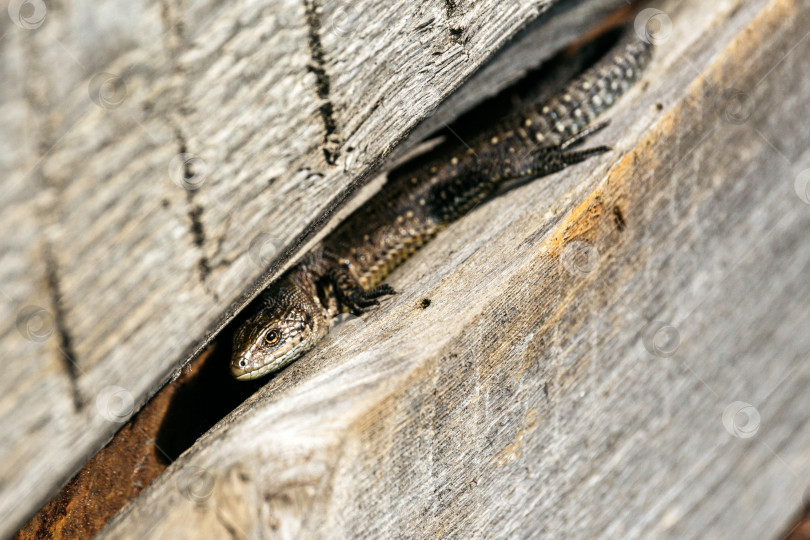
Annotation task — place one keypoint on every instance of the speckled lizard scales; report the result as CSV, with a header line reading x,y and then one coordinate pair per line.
x,y
345,273
413,208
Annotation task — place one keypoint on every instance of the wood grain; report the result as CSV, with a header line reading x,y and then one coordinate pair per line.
x,y
616,351
114,273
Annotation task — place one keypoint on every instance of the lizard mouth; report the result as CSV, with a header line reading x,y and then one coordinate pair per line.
x,y
249,366
240,375
249,373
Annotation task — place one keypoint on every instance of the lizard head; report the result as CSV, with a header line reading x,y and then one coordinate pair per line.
x,y
282,326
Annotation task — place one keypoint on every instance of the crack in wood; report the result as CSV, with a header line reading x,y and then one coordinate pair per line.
x,y
455,31
198,233
195,211
618,218
174,36
68,356
37,77
331,139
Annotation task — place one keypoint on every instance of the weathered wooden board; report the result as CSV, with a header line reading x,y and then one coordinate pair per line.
x,y
617,351
112,111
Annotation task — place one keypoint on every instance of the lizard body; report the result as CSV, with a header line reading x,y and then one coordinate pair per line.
x,y
345,273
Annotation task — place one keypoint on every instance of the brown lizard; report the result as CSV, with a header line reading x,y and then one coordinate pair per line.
x,y
345,273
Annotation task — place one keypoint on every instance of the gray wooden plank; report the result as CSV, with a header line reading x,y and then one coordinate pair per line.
x,y
134,271
588,375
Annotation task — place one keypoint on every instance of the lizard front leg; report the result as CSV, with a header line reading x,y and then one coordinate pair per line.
x,y
350,293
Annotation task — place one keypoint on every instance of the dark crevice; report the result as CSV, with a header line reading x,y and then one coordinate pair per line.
x,y
68,354
450,7
208,395
331,138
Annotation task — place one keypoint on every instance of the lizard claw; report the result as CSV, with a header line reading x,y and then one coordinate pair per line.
x,y
576,139
351,295
575,157
360,299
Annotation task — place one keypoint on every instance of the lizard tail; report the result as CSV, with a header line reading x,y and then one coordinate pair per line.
x,y
576,107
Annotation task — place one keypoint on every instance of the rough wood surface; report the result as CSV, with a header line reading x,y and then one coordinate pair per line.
x,y
142,449
110,112
617,351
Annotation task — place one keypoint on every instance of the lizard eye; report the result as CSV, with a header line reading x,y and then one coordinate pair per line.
x,y
272,337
